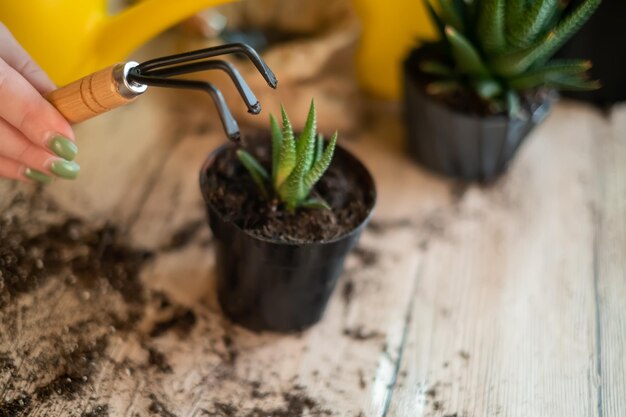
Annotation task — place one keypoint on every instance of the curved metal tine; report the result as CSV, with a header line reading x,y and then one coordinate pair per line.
x,y
232,48
228,121
246,93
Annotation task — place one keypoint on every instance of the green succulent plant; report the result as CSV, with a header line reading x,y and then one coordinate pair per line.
x,y
499,48
297,164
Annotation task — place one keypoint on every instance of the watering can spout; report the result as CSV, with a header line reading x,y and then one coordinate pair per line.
x,y
126,31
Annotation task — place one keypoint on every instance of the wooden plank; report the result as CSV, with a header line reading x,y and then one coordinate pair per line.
x,y
610,271
503,316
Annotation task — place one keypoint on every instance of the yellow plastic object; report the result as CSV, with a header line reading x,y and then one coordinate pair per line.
x,y
73,38
390,29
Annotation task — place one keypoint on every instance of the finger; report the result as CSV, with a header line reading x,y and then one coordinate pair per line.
x,y
15,171
15,146
14,55
26,110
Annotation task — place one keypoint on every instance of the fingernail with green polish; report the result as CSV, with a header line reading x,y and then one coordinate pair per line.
x,y
37,176
65,169
63,147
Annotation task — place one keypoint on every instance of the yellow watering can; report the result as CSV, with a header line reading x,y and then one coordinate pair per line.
x,y
390,29
73,38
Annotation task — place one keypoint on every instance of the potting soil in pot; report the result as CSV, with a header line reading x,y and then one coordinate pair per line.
x,y
236,196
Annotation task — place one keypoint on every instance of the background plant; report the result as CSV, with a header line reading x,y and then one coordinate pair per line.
x,y
498,48
297,165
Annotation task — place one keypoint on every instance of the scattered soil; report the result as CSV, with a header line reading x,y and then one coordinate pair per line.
x,y
182,322
226,410
230,348
70,248
358,333
296,404
158,408
16,406
380,227
347,292
45,257
185,235
75,372
464,355
158,360
367,257
362,383
233,194
97,411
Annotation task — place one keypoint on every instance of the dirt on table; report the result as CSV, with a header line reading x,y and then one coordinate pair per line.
x,y
234,194
71,290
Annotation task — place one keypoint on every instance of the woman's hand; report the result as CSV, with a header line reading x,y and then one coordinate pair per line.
x,y
36,142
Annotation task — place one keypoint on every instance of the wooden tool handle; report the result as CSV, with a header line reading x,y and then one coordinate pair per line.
x,y
95,94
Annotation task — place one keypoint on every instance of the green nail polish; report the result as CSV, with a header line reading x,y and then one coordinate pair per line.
x,y
63,147
65,169
38,176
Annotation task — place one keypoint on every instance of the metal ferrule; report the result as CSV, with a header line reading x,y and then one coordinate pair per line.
x,y
125,87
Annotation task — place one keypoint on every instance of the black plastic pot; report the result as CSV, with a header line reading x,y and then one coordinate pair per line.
x,y
602,40
278,286
461,145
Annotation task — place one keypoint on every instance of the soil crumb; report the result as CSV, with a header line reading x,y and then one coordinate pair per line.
x,y
158,360
185,235
182,322
158,408
367,257
358,333
97,411
379,227
231,349
296,404
235,196
347,292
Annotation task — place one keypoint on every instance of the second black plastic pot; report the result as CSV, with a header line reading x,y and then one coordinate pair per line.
x,y
277,286
461,145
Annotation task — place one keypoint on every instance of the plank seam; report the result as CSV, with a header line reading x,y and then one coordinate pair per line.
x,y
405,331
597,312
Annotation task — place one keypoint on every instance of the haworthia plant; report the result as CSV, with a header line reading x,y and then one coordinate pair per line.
x,y
297,164
499,48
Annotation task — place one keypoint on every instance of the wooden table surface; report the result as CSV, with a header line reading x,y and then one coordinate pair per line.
x,y
462,300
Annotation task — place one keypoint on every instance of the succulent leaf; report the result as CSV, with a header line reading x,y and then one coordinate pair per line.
x,y
515,11
315,203
306,141
322,165
257,171
451,15
287,154
465,55
532,24
435,68
434,17
513,104
572,83
517,62
442,87
491,25
540,76
487,88
277,144
319,148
